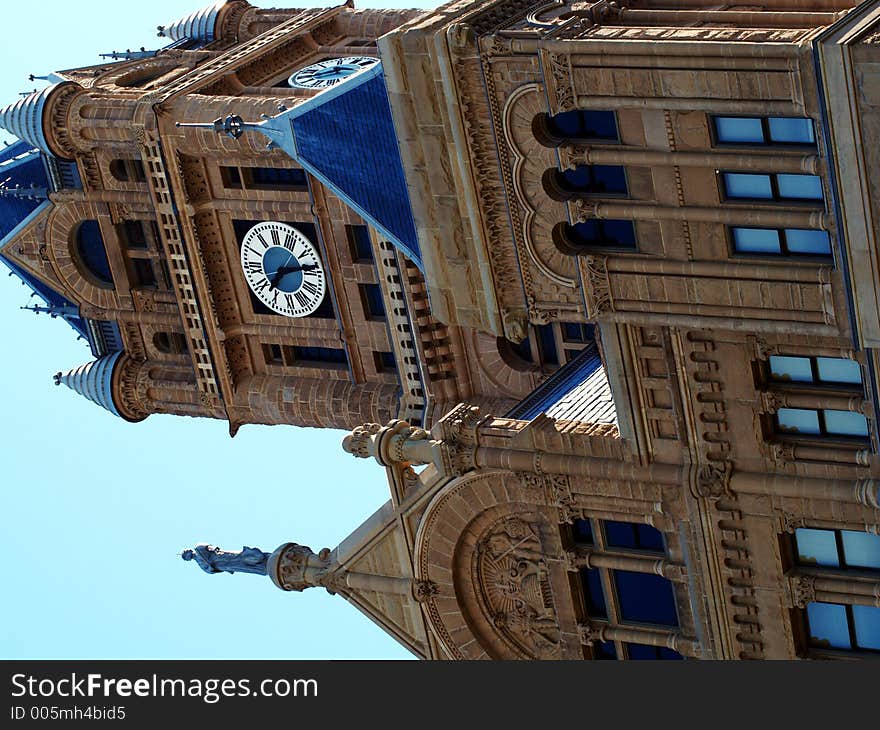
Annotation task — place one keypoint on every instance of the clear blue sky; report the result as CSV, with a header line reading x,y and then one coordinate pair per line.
x,y
94,510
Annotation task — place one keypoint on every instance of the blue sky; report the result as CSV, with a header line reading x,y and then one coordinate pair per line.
x,y
94,510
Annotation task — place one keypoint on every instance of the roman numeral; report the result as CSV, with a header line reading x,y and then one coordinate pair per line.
x,y
275,238
301,298
255,252
260,285
262,240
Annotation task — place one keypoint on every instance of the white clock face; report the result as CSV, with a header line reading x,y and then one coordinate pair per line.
x,y
282,269
331,71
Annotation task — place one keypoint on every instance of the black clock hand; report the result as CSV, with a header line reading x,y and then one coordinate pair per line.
x,y
284,270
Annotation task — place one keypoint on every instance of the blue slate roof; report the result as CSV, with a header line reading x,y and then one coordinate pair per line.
x,y
22,165
579,391
94,381
345,137
199,25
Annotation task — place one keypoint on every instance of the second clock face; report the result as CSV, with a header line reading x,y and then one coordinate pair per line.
x,y
330,71
282,269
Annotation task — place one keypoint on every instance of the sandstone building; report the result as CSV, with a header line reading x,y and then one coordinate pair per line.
x,y
606,270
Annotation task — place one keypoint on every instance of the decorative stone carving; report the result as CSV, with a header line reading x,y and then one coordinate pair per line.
x,y
516,324
560,71
713,480
424,589
295,567
781,453
803,590
514,584
791,522
598,292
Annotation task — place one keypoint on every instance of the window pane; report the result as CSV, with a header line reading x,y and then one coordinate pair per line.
x,y
604,650
791,369
807,242
547,344
828,625
791,131
738,130
618,233
609,179
583,532
650,538
799,187
839,370
741,185
594,596
867,625
798,420
846,423
619,534
861,549
585,124
645,598
756,240
817,547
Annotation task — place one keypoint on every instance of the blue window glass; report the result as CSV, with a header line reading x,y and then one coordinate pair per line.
x,y
791,369
633,536
845,423
583,532
385,362
799,187
359,242
838,370
748,186
817,547
278,177
643,651
645,598
604,233
791,130
594,180
866,620
577,332
757,240
861,549
604,650
320,355
829,625
798,420
374,306
594,596
584,124
547,344
805,242
739,130
91,251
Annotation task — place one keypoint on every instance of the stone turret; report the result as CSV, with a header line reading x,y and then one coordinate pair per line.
x,y
200,25
24,118
96,381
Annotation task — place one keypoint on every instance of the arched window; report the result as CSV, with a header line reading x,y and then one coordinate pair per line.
x,y
91,254
517,355
170,342
578,125
128,169
593,234
584,181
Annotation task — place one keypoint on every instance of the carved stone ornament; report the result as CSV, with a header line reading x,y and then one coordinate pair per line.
x,y
358,441
513,582
516,323
791,522
713,480
803,590
424,589
598,294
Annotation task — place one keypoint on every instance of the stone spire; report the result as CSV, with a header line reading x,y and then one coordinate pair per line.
x,y
24,118
94,381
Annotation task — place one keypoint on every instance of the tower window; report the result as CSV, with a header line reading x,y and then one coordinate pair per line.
x,y
781,241
371,298
359,243
385,362
128,170
585,180
821,423
816,370
837,548
595,233
764,131
321,356
170,342
773,187
837,626
264,178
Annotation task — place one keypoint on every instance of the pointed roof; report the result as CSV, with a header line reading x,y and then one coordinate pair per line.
x,y
200,25
24,118
345,137
94,381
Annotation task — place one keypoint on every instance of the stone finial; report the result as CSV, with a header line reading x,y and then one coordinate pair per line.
x,y
294,567
359,442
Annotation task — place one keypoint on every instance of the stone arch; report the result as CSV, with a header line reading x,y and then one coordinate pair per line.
x,y
485,541
508,376
61,228
530,160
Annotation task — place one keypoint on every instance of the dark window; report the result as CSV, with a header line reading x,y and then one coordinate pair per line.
x,y
781,241
276,178
775,187
128,169
273,354
594,596
359,243
547,344
133,234
604,650
582,532
586,180
577,332
595,233
578,125
143,274
92,254
764,131
170,342
231,177
320,355
371,297
645,598
643,651
385,362
633,536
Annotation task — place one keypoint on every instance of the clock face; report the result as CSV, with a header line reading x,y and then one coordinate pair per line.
x,y
282,269
330,71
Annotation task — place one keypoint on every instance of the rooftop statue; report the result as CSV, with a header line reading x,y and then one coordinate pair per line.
x,y
214,560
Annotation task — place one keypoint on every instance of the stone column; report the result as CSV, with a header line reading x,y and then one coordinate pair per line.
x,y
593,631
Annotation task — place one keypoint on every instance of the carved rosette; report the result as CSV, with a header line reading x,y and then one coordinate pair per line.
x,y
358,442
514,587
424,590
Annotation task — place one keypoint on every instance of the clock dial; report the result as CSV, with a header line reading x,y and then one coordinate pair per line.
x,y
330,71
282,269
